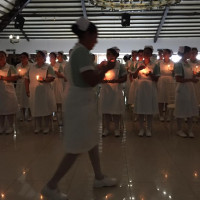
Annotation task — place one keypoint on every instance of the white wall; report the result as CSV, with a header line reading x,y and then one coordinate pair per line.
x,y
125,45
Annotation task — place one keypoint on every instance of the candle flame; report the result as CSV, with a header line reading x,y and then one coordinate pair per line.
x,y
110,75
144,71
37,77
2,195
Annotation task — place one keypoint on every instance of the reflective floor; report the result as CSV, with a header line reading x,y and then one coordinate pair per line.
x,y
162,167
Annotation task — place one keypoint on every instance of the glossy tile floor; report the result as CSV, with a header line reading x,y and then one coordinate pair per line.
x,y
162,167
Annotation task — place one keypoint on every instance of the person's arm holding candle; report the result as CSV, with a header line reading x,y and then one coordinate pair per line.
x,y
12,75
49,77
135,74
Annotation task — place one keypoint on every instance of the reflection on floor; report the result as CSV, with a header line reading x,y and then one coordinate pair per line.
x,y
162,167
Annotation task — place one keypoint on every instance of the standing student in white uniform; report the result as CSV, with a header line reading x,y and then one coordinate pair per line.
x,y
185,99
57,85
23,99
112,103
134,81
130,65
38,87
80,121
195,63
8,98
146,103
166,78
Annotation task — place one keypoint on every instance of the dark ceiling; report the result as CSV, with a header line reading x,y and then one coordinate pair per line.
x,y
52,19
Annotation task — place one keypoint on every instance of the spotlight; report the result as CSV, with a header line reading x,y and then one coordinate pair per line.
x,y
125,19
14,39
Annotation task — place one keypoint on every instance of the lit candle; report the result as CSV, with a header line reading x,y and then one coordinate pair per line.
x,y
19,70
197,68
144,71
2,195
110,75
37,77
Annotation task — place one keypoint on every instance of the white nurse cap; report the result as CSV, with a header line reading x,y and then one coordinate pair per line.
x,y
83,23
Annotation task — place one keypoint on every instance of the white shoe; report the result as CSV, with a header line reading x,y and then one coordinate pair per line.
x,y
105,133
45,131
105,182
191,134
37,130
117,133
162,119
181,133
141,133
53,194
148,133
9,130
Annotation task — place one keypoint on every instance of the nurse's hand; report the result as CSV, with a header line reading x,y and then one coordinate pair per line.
x,y
19,77
102,64
111,64
41,79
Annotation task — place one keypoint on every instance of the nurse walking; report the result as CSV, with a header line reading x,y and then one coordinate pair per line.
x,y
185,99
80,121
8,98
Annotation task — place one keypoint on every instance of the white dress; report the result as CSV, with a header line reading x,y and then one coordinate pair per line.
x,y
58,85
42,99
111,95
185,97
133,84
8,98
164,81
22,97
196,69
146,102
80,104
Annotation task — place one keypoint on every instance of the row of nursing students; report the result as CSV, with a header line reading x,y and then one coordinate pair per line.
x,y
40,90
112,103
8,98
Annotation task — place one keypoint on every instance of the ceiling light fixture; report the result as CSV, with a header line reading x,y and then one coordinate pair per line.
x,y
14,39
131,5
